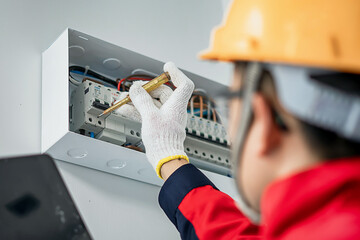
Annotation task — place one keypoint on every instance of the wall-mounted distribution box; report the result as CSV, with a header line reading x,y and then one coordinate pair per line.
x,y
72,132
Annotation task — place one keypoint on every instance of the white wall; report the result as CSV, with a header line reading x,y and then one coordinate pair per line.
x,y
113,207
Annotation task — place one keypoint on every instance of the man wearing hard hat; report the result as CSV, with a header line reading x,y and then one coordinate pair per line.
x,y
294,126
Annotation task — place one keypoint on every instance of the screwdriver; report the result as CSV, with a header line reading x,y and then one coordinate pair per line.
x,y
149,86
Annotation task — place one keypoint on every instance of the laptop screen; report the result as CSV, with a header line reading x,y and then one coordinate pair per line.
x,y
34,201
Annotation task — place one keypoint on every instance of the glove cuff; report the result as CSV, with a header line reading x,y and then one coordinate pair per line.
x,y
167,159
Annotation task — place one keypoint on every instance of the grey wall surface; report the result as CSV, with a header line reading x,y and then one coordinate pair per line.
x,y
113,207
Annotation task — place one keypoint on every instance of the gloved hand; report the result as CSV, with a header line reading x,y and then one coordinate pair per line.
x,y
159,95
163,129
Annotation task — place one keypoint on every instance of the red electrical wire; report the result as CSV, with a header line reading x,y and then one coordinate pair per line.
x,y
119,83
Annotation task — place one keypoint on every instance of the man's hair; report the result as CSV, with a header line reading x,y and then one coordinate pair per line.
x,y
326,144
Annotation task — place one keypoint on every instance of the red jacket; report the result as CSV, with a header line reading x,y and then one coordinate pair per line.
x,y
320,203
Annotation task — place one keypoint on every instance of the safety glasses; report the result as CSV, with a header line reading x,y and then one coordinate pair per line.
x,y
222,104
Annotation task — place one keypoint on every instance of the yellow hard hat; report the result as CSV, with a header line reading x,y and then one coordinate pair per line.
x,y
319,33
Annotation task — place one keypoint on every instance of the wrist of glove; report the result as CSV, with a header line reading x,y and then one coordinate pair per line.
x,y
163,127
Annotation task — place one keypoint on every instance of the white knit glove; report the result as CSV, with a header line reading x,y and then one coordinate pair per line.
x,y
163,129
159,95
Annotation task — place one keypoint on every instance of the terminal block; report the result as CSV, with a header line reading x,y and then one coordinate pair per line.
x,y
206,129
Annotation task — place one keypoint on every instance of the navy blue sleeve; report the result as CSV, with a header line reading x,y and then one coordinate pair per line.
x,y
177,186
199,210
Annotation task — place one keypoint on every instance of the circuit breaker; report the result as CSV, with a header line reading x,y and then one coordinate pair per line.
x,y
206,141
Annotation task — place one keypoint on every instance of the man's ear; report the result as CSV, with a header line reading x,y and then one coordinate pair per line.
x,y
264,126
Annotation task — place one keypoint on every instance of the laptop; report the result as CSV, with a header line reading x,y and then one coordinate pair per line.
x,y
34,201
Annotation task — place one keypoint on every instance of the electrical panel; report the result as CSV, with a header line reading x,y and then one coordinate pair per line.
x,y
83,75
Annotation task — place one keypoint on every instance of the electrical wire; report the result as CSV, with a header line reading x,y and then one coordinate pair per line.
x,y
73,81
121,82
200,100
214,114
134,148
90,73
192,106
208,109
201,106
